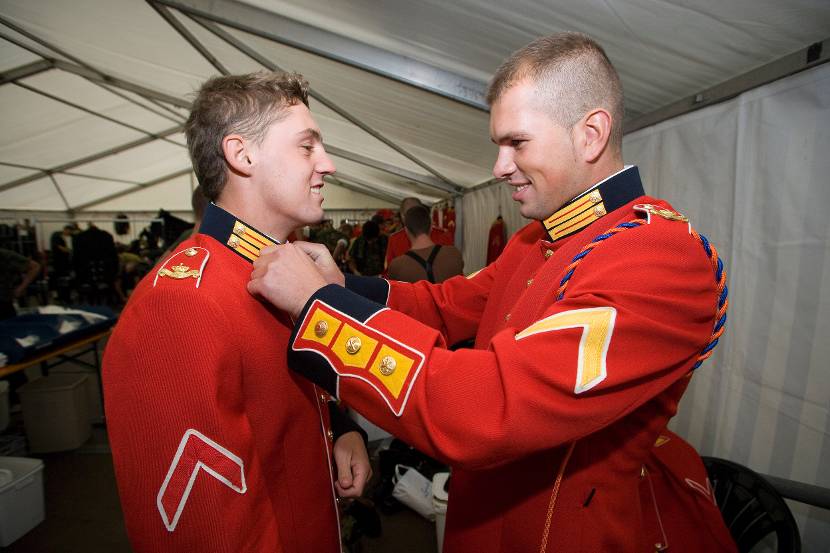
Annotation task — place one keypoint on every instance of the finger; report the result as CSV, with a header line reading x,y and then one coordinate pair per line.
x,y
268,250
347,492
344,469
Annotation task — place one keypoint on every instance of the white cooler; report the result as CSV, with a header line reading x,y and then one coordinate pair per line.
x,y
21,497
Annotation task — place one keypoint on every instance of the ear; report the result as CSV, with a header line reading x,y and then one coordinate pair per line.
x,y
238,154
594,133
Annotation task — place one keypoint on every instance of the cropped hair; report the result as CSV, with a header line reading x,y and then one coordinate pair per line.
x,y
572,74
417,220
236,104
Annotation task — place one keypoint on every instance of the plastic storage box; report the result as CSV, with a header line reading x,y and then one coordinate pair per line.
x,y
21,497
4,404
56,412
95,406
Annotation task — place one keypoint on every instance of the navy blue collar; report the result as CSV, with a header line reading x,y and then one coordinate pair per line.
x,y
593,204
240,237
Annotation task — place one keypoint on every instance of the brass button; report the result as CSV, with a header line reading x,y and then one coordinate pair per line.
x,y
353,345
529,282
548,253
599,211
507,317
238,229
190,252
321,328
324,398
330,434
233,242
387,365
595,197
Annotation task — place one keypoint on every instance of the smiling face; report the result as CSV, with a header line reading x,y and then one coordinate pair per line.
x,y
286,173
537,156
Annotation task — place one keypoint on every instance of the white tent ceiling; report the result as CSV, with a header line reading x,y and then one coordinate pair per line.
x,y
94,91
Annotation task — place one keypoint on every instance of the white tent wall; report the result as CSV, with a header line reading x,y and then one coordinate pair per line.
x,y
751,174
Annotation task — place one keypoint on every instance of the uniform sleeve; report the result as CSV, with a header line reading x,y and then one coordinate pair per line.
x,y
633,321
188,476
453,307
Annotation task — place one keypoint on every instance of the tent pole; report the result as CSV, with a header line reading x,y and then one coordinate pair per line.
x,y
142,186
447,185
60,192
188,36
88,159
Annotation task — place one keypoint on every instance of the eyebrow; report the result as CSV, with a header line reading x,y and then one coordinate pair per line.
x,y
311,133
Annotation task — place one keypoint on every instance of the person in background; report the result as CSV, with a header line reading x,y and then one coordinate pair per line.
x,y
587,330
367,251
399,242
198,202
16,273
61,262
426,260
341,250
195,372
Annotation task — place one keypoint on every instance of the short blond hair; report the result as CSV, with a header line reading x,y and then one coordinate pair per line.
x,y
573,76
245,104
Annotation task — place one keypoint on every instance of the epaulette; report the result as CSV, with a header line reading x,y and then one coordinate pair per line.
x,y
667,214
187,265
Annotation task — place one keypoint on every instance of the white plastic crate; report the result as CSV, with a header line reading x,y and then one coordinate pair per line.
x,y
56,412
21,497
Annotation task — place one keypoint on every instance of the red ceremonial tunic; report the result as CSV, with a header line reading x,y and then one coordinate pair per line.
x,y
217,446
550,422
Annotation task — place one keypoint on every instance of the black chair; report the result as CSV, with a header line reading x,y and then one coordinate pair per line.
x,y
751,507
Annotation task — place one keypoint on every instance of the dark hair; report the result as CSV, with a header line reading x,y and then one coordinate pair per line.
x,y
573,75
370,229
244,104
418,220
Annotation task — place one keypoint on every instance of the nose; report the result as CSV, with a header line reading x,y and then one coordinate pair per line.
x,y
504,166
325,166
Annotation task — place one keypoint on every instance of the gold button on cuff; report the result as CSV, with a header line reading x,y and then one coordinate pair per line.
x,y
548,253
595,197
387,365
599,211
353,345
233,242
239,229
190,252
321,328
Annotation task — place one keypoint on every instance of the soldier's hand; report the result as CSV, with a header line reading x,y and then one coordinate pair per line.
x,y
353,467
286,276
324,261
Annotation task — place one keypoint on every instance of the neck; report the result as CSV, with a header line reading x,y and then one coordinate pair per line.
x,y
421,241
253,212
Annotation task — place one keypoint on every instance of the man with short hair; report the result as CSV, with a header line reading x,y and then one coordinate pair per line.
x,y
216,446
426,260
587,329
399,242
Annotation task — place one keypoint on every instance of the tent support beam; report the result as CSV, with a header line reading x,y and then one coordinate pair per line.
x,y
60,192
88,159
188,36
28,70
447,185
386,168
69,173
353,184
95,114
82,68
320,42
136,188
805,58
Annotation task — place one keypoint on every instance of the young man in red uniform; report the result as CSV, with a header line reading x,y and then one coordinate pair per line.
x,y
586,328
217,445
